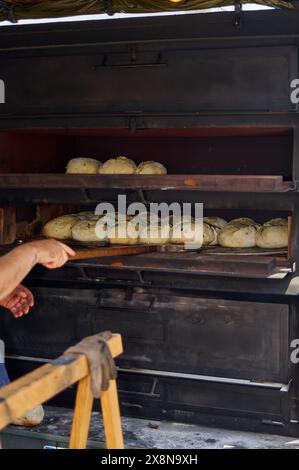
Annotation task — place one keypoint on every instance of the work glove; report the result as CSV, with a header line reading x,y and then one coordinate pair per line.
x,y
101,364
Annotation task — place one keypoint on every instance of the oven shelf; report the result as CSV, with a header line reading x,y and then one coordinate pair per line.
x,y
212,261
47,188
146,182
232,265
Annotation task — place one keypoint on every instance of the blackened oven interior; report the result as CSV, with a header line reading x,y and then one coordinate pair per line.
x,y
240,151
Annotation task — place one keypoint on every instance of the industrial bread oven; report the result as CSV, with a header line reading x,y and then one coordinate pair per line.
x,y
207,335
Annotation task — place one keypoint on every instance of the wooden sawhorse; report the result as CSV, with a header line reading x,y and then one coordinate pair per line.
x,y
37,387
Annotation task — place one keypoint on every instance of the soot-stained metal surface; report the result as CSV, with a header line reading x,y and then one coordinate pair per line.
x,y
139,433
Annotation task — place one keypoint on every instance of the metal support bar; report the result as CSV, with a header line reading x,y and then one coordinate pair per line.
x,y
238,14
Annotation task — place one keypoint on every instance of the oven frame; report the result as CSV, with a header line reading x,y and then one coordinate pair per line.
x,y
274,28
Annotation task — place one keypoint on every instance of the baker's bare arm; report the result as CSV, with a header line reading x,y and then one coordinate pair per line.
x,y
15,265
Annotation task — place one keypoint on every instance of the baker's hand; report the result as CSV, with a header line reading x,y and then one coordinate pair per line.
x,y
19,301
51,253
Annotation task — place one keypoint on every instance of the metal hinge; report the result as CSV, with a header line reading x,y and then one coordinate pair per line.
x,y
238,14
107,4
133,125
136,122
7,11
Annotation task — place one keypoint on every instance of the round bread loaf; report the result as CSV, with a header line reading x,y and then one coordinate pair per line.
x,y
154,234
142,218
88,215
118,166
210,236
151,168
237,236
149,218
179,220
277,221
116,237
216,222
83,166
31,418
272,236
139,221
186,233
110,217
245,221
60,227
85,231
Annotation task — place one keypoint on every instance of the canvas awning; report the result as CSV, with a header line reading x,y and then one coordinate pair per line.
x,y
27,9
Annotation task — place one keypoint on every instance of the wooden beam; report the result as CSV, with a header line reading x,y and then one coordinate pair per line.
x,y
38,386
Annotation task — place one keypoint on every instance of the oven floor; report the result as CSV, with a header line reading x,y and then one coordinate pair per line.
x,y
138,433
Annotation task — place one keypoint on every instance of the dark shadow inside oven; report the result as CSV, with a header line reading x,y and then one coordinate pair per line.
x,y
240,151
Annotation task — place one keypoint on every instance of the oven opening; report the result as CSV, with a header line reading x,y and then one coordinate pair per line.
x,y
206,151
219,167
26,223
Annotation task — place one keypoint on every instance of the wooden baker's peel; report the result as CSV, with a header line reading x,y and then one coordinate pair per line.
x,y
106,251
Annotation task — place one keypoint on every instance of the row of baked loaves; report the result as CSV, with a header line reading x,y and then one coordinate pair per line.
x,y
238,233
114,166
246,233
82,227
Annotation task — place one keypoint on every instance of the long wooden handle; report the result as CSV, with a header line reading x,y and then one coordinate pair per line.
x,y
101,252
